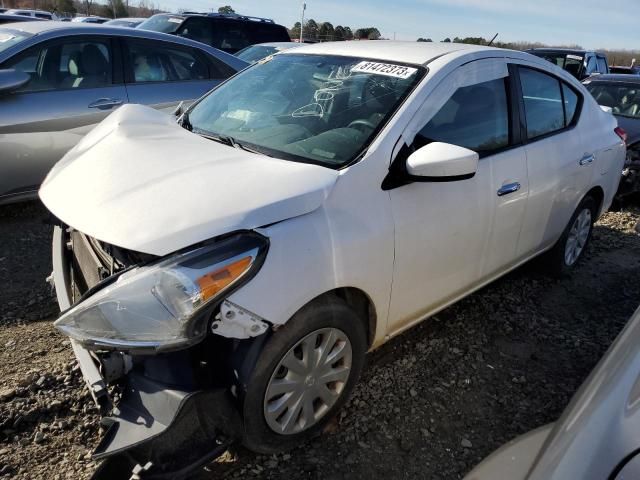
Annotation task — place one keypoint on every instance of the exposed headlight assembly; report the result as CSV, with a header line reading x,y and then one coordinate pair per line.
x,y
165,305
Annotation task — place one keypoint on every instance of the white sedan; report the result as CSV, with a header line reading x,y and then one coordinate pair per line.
x,y
306,211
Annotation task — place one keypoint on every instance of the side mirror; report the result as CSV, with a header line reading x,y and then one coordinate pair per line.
x,y
11,80
442,162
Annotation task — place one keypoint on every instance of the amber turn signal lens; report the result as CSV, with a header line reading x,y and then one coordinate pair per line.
x,y
213,282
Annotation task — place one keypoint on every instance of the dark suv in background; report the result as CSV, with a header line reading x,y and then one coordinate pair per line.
x,y
579,63
228,32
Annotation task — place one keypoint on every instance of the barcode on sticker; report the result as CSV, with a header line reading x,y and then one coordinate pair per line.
x,y
388,69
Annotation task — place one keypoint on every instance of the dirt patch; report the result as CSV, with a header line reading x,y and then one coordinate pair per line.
x,y
431,403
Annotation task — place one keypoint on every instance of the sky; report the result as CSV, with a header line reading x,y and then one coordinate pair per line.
x,y
612,24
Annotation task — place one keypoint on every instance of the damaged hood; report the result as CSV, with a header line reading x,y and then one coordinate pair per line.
x,y
142,182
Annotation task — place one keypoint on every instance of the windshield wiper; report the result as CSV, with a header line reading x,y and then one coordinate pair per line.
x,y
231,142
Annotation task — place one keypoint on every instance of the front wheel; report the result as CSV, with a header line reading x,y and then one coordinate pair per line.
x,y
575,238
303,376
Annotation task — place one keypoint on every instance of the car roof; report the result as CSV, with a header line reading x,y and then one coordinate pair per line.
x,y
55,29
562,50
276,44
128,19
614,77
20,18
416,53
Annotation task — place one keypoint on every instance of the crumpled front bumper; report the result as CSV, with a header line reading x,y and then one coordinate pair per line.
x,y
156,430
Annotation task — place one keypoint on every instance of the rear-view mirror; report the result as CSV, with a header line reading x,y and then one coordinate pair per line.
x,y
439,161
11,80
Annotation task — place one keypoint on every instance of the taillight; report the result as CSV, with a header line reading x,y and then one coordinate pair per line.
x,y
621,133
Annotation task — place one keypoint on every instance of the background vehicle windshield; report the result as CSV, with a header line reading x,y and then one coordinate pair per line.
x,y
162,23
9,38
310,108
623,99
255,52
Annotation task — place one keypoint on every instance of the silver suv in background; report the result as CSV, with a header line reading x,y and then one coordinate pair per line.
x,y
57,80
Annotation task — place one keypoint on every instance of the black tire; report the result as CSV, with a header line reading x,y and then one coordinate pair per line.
x,y
555,259
326,313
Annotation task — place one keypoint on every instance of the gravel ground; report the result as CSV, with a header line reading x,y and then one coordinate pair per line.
x,y
431,403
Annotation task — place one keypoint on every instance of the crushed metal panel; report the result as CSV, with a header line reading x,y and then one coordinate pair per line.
x,y
233,321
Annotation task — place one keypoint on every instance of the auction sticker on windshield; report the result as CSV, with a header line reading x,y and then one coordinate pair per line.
x,y
388,69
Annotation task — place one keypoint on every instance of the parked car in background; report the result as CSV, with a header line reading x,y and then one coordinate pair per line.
x,y
164,22
17,18
253,53
621,93
90,19
130,22
251,247
60,79
628,70
597,435
579,63
227,32
41,14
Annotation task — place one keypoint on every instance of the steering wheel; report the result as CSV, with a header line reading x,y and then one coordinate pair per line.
x,y
362,123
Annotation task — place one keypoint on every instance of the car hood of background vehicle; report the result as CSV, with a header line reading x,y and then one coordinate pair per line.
x,y
142,182
632,127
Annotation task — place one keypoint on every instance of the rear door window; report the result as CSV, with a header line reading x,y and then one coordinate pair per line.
x,y
151,61
232,36
268,32
570,104
198,29
542,102
550,104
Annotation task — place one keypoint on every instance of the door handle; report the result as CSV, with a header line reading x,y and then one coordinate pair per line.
x,y
508,188
105,103
587,159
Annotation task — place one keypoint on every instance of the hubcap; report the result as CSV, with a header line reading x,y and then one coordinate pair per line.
x,y
578,236
308,381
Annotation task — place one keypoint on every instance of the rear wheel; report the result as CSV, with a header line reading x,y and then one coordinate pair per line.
x,y
575,238
304,375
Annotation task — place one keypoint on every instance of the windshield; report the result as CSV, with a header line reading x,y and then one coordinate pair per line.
x,y
9,38
624,99
309,108
255,52
162,23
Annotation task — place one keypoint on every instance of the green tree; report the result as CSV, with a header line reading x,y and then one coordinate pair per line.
x,y
371,33
66,6
119,9
294,33
348,34
103,11
325,32
226,9
310,30
447,40
339,33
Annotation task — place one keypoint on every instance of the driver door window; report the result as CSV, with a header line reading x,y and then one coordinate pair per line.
x,y
475,117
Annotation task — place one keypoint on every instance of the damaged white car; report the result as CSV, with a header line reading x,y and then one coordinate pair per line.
x,y
230,268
